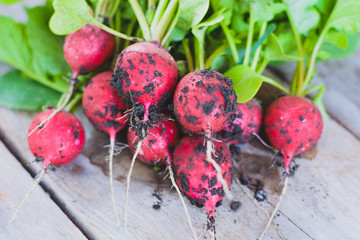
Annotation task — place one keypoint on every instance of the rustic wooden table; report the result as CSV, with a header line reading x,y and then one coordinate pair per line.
x,y
73,202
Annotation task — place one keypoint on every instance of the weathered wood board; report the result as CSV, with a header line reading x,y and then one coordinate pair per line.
x,y
40,217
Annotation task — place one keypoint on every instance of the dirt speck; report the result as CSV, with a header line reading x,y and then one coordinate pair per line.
x,y
235,205
76,169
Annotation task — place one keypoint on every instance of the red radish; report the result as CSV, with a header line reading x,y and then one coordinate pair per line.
x,y
247,121
88,49
58,144
204,101
145,76
105,110
198,178
155,149
85,50
293,125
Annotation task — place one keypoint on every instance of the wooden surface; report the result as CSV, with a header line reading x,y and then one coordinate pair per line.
x,y
40,218
321,203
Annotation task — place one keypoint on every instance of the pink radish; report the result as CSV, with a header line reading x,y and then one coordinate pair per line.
x,y
58,144
105,110
198,178
247,122
293,125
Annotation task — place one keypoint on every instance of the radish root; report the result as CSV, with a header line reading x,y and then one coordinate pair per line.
x,y
37,180
260,207
128,185
181,198
286,180
209,150
111,160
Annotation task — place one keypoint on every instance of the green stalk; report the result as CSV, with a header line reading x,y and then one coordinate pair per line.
x,y
300,71
76,99
262,66
249,36
215,53
129,31
311,64
171,28
141,19
99,8
258,50
165,20
230,41
114,8
116,33
275,84
188,55
158,13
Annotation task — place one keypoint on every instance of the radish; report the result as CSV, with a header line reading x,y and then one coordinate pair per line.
x,y
293,125
198,178
58,144
105,110
85,50
204,101
247,122
145,76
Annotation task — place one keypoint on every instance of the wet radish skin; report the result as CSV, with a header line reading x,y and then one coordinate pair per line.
x,y
204,101
103,106
248,119
293,125
60,141
196,177
160,140
88,48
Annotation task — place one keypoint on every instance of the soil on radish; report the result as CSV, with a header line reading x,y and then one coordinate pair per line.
x,y
235,205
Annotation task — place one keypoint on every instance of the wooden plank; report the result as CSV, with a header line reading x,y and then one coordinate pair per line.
x,y
82,188
40,217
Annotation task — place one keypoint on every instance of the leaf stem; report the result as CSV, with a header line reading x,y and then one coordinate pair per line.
x,y
231,42
165,20
141,19
189,59
171,28
215,53
250,35
299,77
116,33
311,64
258,50
275,84
262,66
158,13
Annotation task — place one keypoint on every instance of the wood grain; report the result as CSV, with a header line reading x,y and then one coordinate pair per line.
x,y
40,217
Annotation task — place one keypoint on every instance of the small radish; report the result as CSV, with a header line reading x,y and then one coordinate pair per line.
x,y
58,144
105,110
156,149
247,121
85,50
198,178
88,49
293,125
145,77
204,101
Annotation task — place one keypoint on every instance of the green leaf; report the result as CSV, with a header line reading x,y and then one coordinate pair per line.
x,y
338,45
265,10
70,16
19,92
275,52
10,1
246,82
345,16
304,14
227,6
